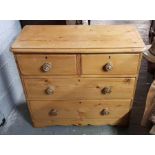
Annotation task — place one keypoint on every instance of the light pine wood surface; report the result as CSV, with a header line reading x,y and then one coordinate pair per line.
x,y
78,37
74,86
79,88
81,110
60,64
93,64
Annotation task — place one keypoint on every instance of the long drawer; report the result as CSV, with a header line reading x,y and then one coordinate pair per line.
x,y
81,111
79,88
44,64
110,64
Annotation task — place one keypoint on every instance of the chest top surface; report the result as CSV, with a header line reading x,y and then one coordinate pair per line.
x,y
78,39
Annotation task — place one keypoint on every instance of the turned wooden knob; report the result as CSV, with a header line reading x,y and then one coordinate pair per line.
x,y
105,112
106,90
108,67
49,90
46,67
53,112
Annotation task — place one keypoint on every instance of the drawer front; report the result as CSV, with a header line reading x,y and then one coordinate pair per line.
x,y
81,122
110,64
47,64
79,88
54,111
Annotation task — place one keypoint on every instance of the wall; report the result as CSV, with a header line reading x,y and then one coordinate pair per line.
x,y
143,26
10,85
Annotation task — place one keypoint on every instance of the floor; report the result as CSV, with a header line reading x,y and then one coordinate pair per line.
x,y
19,122
144,82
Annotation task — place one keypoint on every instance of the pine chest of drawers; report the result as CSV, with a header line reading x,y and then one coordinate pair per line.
x,y
79,75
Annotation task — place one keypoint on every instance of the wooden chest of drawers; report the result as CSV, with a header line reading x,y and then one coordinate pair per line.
x,y
79,75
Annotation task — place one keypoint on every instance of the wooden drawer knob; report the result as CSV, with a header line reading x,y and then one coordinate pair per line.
x,y
49,90
108,67
105,112
106,90
46,67
53,112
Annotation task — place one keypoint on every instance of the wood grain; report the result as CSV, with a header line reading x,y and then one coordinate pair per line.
x,y
77,55
77,37
76,122
61,64
122,64
81,111
78,50
79,88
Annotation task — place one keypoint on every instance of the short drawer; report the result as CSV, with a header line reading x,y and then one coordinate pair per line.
x,y
110,64
79,88
37,64
79,111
